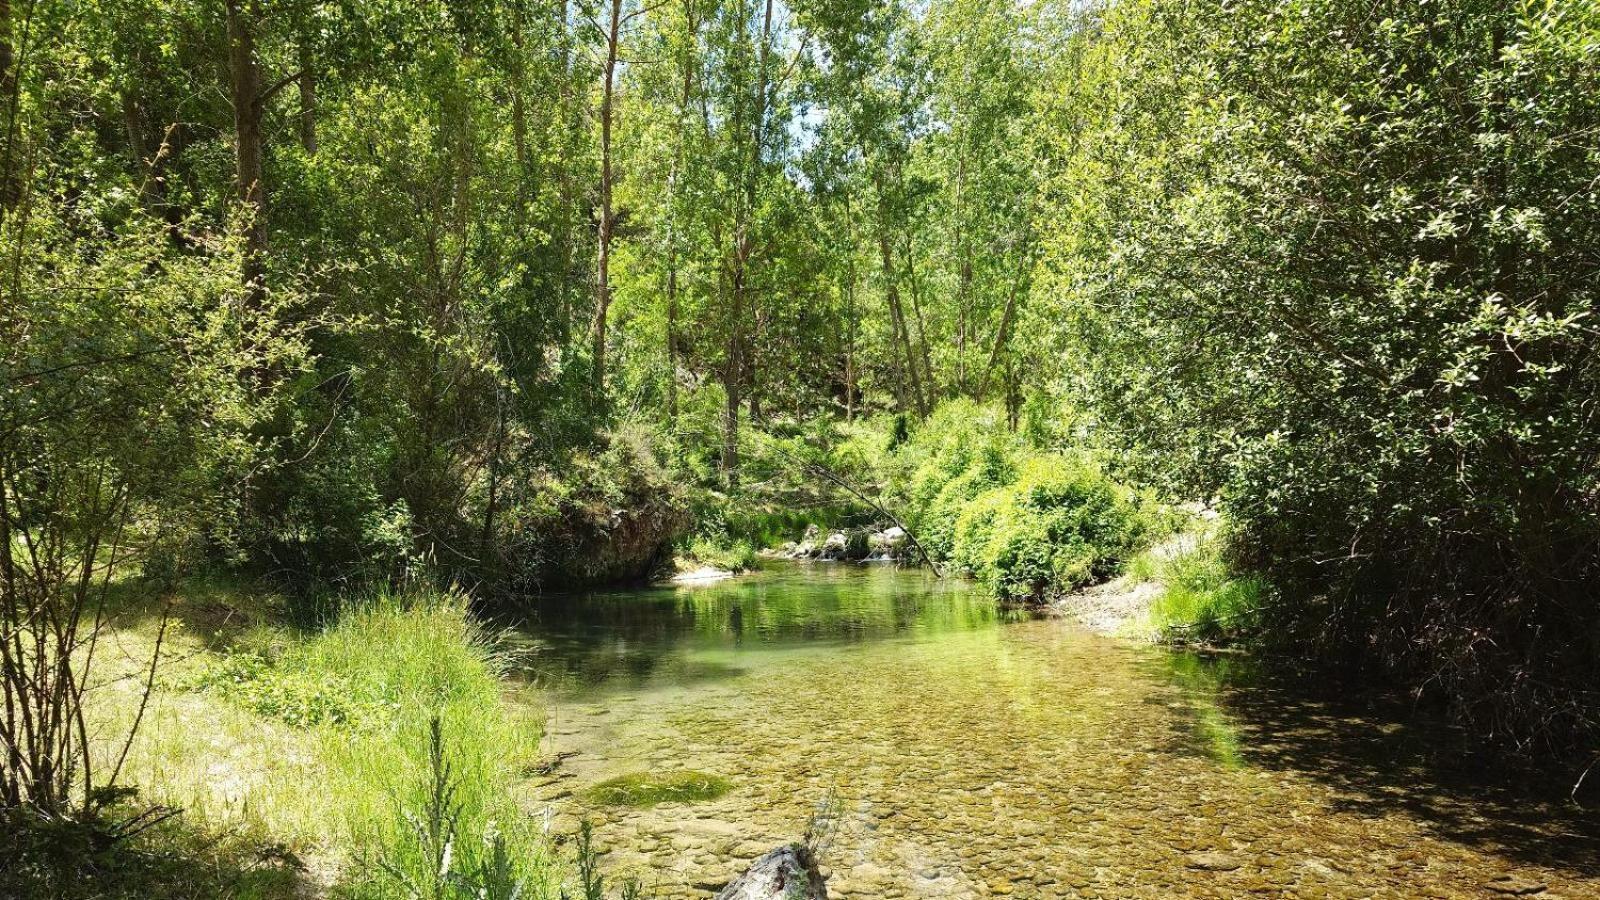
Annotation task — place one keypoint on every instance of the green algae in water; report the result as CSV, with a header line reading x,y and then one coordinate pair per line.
x,y
642,789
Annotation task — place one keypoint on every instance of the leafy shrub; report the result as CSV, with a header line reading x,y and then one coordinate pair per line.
x,y
1022,521
958,452
732,554
297,697
1203,598
1062,524
613,513
432,839
1385,361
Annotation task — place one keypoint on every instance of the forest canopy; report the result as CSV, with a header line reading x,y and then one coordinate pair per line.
x,y
520,293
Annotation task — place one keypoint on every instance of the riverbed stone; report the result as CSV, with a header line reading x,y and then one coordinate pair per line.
x,y
1027,754
1212,861
1516,886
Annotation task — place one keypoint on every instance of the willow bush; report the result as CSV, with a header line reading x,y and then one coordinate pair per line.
x,y
1333,263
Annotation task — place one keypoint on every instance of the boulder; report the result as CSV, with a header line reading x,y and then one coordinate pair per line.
x,y
857,547
810,545
889,543
786,873
834,547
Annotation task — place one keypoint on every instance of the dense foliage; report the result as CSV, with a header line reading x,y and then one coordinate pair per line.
x,y
1026,521
519,294
1333,265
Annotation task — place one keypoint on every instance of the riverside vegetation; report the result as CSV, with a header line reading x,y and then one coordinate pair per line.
x,y
332,331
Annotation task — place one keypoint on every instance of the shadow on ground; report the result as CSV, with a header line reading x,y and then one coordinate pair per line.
x,y
64,860
1382,755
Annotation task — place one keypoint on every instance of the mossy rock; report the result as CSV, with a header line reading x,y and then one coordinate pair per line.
x,y
642,789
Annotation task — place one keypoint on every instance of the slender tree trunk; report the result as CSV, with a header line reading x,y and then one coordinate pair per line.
x,y
674,202
571,113
10,87
850,346
8,75
672,337
1002,337
849,313
1013,395
744,244
897,316
733,381
930,383
137,128
602,300
245,84
308,99
752,370
491,502
519,103
10,662
964,278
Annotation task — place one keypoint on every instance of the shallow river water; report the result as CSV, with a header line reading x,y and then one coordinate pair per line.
x,y
971,755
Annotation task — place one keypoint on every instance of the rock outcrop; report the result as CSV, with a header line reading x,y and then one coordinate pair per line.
x,y
786,873
852,545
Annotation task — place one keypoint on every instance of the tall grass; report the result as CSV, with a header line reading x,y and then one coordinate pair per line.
x,y
1202,599
410,660
322,743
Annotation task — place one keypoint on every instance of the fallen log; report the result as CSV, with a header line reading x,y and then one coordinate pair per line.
x,y
785,873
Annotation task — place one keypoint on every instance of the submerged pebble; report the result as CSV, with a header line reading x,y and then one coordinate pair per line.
x,y
969,758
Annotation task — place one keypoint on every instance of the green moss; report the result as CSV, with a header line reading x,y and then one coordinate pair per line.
x,y
642,789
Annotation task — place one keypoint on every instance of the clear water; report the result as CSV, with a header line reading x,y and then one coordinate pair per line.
x,y
971,753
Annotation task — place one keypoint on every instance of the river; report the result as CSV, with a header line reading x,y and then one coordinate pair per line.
x,y
965,752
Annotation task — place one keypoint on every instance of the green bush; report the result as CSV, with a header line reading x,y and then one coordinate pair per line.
x,y
961,450
732,554
1299,275
612,513
1062,524
297,697
1023,521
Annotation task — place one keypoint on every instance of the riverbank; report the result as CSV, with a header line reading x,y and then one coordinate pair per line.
x,y
1120,607
1180,591
300,762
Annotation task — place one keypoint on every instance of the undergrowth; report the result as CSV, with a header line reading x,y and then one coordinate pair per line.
x,y
1202,599
323,750
1026,522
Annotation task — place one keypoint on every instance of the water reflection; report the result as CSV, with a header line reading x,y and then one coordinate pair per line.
x,y
622,639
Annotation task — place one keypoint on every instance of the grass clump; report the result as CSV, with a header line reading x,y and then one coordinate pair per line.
x,y
331,746
427,669
1203,599
643,789
720,552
